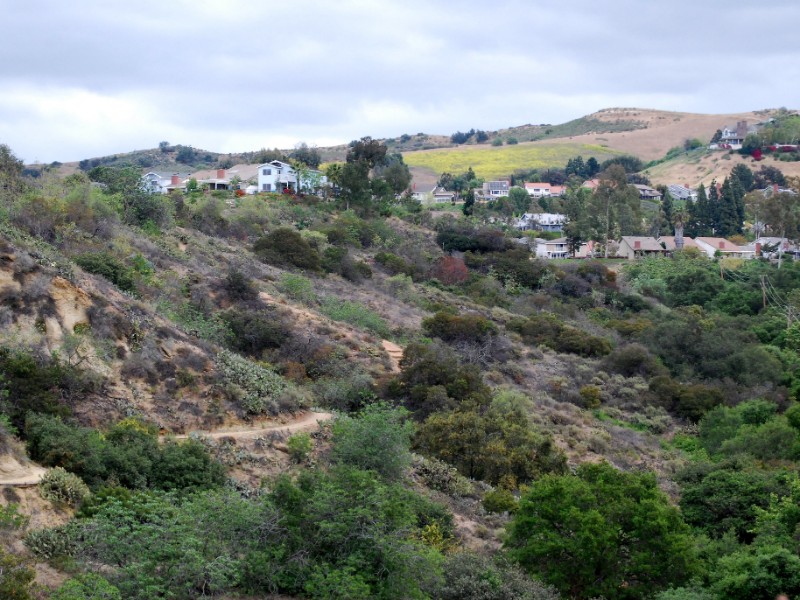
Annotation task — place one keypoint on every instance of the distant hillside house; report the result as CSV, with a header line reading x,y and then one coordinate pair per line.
x,y
772,247
160,182
726,248
496,189
276,176
647,193
238,176
631,247
668,241
733,137
591,184
442,195
544,190
557,248
542,221
682,192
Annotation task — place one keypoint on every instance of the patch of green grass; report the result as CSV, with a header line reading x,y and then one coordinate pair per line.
x,y
297,288
490,161
356,314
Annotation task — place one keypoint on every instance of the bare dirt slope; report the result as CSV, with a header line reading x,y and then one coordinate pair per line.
x,y
306,422
17,473
693,170
661,130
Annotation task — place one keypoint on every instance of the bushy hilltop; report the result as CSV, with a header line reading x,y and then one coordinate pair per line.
x,y
492,425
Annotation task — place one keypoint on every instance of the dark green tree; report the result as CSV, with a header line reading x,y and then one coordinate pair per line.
x,y
367,150
602,532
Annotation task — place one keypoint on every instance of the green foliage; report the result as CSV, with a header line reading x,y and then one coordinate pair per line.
x,y
107,265
377,439
54,542
254,331
297,288
433,379
300,446
129,455
725,497
62,487
16,578
10,518
394,264
287,246
86,587
568,526
256,388
239,287
438,475
457,328
356,314
759,573
548,330
469,576
499,500
497,445
30,383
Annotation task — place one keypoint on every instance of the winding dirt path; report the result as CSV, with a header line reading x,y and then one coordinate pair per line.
x,y
304,422
13,472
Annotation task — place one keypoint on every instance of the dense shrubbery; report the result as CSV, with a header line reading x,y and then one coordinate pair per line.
x,y
287,246
548,330
254,331
107,265
257,389
128,454
454,328
568,526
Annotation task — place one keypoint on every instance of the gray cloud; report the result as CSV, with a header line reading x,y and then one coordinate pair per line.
x,y
88,78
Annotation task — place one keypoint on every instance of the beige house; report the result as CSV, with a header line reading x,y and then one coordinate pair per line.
x,y
631,246
668,241
726,248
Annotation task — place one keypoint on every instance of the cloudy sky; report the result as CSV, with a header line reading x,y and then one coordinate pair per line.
x,y
92,77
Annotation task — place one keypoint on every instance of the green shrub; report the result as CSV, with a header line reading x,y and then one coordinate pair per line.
x,y
60,486
548,330
86,587
377,439
256,388
591,395
300,446
10,518
438,475
632,360
469,576
297,288
108,266
16,577
394,264
499,500
356,314
54,542
239,286
254,331
458,328
287,246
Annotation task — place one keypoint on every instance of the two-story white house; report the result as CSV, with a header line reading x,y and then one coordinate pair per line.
x,y
276,176
160,182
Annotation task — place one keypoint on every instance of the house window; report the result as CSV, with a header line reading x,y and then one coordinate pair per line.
x,y
266,187
266,171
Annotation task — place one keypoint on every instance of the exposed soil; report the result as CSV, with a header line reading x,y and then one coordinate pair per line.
x,y
306,422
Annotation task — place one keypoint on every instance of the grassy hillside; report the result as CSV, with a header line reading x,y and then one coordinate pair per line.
x,y
491,161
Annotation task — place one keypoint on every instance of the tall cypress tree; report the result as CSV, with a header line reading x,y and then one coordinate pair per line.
x,y
712,216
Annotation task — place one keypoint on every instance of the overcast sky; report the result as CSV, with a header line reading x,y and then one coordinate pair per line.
x,y
92,77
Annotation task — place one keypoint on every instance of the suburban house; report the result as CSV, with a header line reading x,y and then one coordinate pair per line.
x,y
442,195
160,182
631,246
682,192
771,247
496,189
544,190
542,221
423,193
278,176
726,248
237,176
769,191
668,241
733,137
647,193
591,184
557,248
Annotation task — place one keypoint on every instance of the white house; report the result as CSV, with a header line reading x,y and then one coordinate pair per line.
x,y
542,221
632,246
557,248
276,176
496,189
682,192
726,248
161,182
544,190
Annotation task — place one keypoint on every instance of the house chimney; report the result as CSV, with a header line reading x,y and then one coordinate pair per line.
x,y
637,245
758,248
722,245
220,173
176,180
775,188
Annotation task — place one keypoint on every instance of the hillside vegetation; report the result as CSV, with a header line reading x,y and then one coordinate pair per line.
x,y
552,429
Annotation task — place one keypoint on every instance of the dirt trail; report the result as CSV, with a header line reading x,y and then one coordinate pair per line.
x,y
395,353
12,472
304,422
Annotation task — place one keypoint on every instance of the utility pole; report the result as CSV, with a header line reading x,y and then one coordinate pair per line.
x,y
763,291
